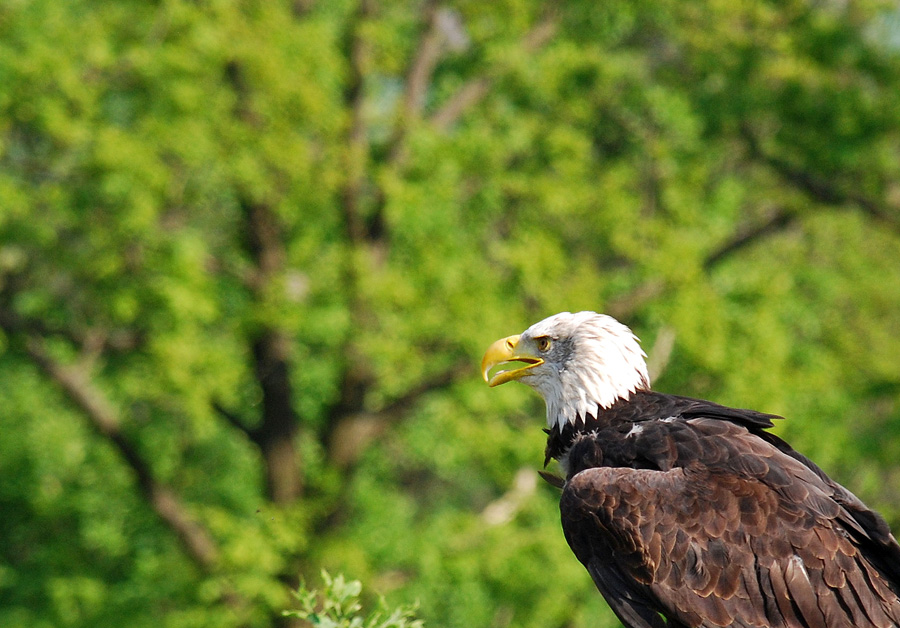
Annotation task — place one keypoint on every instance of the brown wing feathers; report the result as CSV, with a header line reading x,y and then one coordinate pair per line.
x,y
734,532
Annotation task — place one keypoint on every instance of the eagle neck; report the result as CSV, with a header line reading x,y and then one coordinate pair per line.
x,y
562,434
581,396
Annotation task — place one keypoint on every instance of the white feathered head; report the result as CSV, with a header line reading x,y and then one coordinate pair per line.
x,y
576,362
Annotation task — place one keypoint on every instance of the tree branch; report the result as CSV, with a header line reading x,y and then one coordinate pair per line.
x,y
357,153
195,539
503,510
93,341
469,95
265,245
820,189
418,79
438,381
475,90
353,430
626,305
777,222
235,421
660,353
355,377
424,62
302,8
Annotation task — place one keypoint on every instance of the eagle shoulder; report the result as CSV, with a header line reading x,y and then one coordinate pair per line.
x,y
713,545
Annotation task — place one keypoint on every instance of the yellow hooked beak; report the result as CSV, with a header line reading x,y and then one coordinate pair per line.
x,y
504,351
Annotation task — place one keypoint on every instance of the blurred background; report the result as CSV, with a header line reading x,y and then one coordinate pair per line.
x,y
251,253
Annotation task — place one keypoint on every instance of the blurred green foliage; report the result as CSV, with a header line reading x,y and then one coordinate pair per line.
x,y
237,233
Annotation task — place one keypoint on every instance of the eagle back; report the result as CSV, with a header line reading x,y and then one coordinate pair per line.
x,y
655,431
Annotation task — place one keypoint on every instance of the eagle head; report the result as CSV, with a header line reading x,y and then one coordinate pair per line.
x,y
579,363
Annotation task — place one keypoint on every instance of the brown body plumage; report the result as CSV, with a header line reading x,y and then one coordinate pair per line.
x,y
688,513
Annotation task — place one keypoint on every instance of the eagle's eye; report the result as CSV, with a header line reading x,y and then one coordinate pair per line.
x,y
543,343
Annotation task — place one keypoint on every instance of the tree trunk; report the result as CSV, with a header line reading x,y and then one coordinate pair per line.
x,y
275,435
270,346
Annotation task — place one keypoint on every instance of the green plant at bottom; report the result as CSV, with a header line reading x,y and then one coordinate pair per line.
x,y
337,606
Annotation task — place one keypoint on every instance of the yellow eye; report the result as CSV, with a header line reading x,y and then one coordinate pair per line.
x,y
543,344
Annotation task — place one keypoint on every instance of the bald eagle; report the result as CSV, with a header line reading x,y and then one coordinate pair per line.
x,y
689,513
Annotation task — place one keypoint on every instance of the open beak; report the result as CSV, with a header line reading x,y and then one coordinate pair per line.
x,y
504,351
